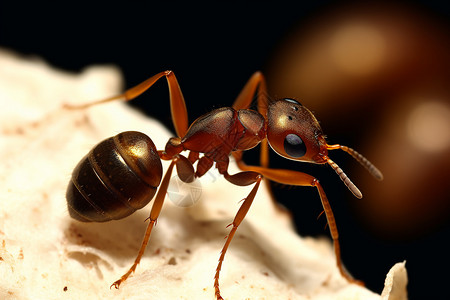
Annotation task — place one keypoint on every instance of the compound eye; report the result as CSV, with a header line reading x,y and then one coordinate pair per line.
x,y
294,145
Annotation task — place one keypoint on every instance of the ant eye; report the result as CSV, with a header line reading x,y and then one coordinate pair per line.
x,y
294,146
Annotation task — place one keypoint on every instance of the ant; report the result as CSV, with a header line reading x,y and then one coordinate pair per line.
x,y
122,173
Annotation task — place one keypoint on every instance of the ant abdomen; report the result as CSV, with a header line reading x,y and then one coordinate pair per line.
x,y
117,177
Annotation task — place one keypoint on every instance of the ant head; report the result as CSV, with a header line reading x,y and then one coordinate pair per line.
x,y
293,132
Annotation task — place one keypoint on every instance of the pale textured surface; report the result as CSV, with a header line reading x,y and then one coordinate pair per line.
x,y
43,250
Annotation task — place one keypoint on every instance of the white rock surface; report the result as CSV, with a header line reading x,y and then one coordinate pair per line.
x,y
44,254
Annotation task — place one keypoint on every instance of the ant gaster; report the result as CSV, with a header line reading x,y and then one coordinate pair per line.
x,y
122,174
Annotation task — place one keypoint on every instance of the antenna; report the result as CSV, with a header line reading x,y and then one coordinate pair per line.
x,y
351,186
361,159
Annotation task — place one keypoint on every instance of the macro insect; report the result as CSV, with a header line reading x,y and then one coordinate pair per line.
x,y
123,173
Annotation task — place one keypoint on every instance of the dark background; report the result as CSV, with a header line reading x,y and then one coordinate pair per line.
x,y
213,49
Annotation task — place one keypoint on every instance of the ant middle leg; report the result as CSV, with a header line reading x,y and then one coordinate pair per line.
x,y
246,177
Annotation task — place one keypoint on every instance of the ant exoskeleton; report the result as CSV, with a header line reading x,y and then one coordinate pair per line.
x,y
122,174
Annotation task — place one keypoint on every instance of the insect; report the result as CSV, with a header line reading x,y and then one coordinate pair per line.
x,y
123,173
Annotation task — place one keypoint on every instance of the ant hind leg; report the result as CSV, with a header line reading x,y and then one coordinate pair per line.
x,y
177,103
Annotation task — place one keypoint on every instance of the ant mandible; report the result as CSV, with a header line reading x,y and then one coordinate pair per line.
x,y
122,174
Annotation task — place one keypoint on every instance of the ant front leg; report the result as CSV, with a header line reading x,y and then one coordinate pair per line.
x,y
256,85
177,103
290,177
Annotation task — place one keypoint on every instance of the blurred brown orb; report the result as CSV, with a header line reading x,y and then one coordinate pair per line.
x,y
380,73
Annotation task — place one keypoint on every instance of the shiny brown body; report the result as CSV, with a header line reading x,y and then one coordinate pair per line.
x,y
217,134
112,181
123,173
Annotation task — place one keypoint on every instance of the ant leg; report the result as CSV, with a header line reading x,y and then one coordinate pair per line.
x,y
154,213
255,85
242,178
359,158
236,222
290,177
185,169
264,161
177,103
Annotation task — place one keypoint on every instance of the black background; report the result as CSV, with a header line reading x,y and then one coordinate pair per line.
x,y
213,49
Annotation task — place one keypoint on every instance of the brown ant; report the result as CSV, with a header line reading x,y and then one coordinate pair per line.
x,y
122,174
